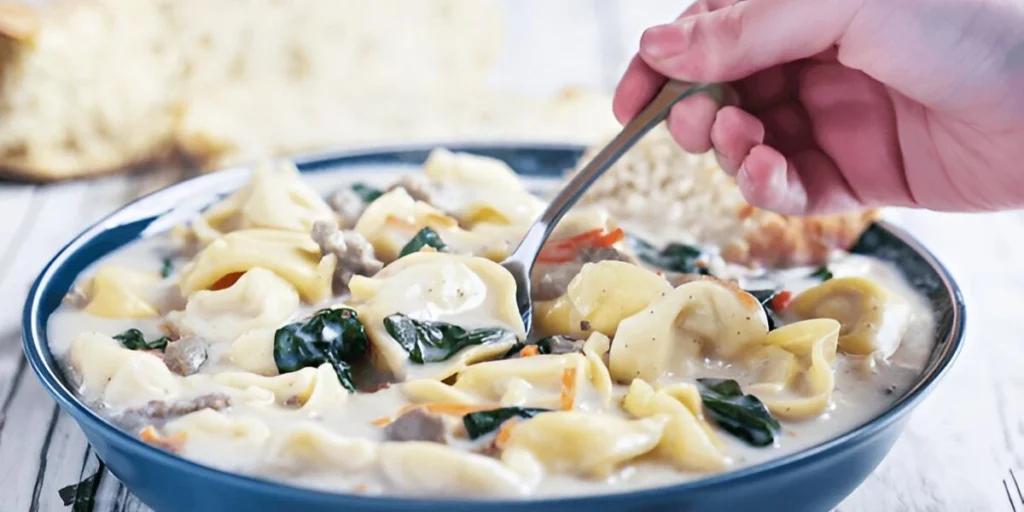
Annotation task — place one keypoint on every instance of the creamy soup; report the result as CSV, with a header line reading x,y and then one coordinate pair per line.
x,y
355,333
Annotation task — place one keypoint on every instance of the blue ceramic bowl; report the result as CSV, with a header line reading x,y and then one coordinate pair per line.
x,y
815,479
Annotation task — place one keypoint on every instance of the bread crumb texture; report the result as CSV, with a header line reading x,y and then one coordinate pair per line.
x,y
93,86
658,183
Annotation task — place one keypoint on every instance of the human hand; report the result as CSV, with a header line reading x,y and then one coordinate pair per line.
x,y
846,104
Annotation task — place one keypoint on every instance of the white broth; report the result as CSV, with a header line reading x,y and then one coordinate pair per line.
x,y
304,427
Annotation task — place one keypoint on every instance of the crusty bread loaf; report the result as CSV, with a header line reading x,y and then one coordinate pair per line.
x,y
659,184
89,86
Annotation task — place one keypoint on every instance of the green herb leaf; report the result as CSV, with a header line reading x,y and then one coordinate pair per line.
x,y
430,342
765,298
674,257
482,422
743,416
80,496
332,336
822,273
367,193
132,339
166,268
424,237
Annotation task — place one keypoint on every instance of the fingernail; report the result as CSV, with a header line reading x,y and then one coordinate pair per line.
x,y
661,41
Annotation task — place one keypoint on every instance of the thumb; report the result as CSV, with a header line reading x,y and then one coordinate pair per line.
x,y
737,41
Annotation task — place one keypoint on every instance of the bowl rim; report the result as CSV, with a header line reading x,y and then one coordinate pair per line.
x,y
37,350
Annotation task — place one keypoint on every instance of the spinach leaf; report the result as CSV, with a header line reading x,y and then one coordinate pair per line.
x,y
743,416
367,193
822,273
482,422
765,298
430,342
132,339
332,336
674,257
166,268
424,237
80,496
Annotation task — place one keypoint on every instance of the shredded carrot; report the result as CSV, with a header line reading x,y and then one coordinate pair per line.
x,y
568,397
360,488
610,239
446,409
529,350
226,281
781,300
172,443
562,251
505,432
746,212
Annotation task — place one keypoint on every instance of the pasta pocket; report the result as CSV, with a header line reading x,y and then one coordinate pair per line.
x,y
253,352
306,447
795,364
873,319
466,169
391,221
424,468
587,444
602,294
275,198
293,256
296,386
121,377
687,441
327,394
705,318
208,433
258,300
121,292
551,381
464,291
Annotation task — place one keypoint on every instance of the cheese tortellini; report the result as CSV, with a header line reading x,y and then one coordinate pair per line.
x,y
462,290
120,376
121,292
258,300
275,198
873,319
295,257
601,295
697,319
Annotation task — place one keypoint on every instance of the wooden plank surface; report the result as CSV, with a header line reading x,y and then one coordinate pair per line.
x,y
957,448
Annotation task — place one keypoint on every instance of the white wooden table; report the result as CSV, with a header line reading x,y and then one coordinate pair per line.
x,y
955,453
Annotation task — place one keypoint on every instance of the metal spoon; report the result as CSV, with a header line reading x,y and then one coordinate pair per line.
x,y
520,262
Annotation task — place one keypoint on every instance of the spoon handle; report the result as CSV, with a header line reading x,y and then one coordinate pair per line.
x,y
652,114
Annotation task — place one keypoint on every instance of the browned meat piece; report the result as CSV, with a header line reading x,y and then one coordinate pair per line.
x,y
549,281
186,355
560,345
348,205
418,187
417,425
160,410
354,253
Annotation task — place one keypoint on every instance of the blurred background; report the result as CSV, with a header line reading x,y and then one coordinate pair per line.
x,y
131,95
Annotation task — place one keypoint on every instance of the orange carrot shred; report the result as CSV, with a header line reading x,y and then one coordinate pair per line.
x,y
530,350
562,251
505,432
171,443
568,396
610,239
781,300
226,281
360,488
446,409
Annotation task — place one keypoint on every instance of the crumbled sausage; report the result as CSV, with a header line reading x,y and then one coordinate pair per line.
x,y
417,425
354,253
418,187
76,297
160,410
551,281
348,205
563,345
186,355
